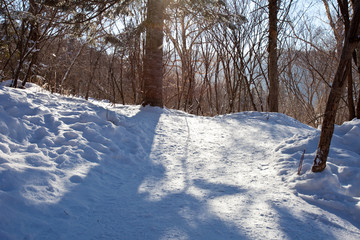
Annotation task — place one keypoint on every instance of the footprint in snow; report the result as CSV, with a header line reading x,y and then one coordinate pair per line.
x,y
76,179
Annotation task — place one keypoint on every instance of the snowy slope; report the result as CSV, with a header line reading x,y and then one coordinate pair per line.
x,y
73,169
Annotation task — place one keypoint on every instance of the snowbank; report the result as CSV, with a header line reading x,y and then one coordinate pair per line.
x,y
336,189
76,169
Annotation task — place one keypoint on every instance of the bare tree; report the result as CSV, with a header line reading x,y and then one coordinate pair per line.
x,y
344,8
27,26
273,55
351,41
153,65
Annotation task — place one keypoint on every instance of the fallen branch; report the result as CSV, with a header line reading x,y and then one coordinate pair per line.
x,y
301,162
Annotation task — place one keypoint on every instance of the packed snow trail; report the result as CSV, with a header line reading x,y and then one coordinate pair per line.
x,y
80,170
229,165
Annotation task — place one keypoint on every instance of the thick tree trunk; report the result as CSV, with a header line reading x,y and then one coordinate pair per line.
x,y
351,40
153,64
272,65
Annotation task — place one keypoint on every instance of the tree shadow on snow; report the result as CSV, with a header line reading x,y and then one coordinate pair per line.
x,y
299,228
107,203
351,216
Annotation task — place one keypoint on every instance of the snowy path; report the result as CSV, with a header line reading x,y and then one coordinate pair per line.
x,y
233,178
70,169
233,174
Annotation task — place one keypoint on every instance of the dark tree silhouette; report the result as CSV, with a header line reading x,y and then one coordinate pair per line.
x,y
272,63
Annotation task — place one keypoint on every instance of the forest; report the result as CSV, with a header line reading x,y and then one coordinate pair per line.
x,y
215,54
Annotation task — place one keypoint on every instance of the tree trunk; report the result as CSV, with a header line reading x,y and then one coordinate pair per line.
x,y
358,107
22,55
272,65
350,94
343,4
67,73
357,62
153,64
34,37
351,40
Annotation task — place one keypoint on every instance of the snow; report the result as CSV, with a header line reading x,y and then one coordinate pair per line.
x,y
76,169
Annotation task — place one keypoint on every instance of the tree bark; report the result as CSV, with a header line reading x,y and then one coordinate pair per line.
x,y
358,107
34,37
350,94
272,65
153,59
327,130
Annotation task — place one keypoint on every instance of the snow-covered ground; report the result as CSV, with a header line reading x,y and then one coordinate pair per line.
x,y
76,169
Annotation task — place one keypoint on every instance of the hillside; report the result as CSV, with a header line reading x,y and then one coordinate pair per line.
x,y
76,169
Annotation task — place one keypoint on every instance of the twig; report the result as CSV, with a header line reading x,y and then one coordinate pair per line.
x,y
301,162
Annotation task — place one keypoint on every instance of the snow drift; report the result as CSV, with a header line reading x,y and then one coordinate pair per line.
x,y
76,169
